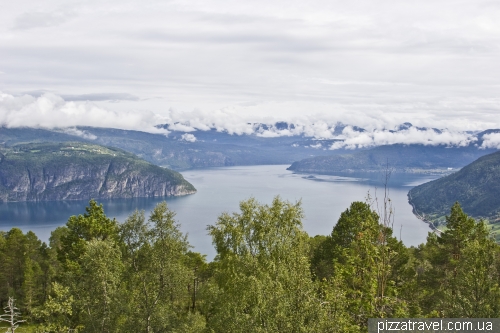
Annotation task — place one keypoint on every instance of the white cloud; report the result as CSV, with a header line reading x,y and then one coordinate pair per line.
x,y
354,139
51,111
374,64
76,132
188,137
491,140
221,120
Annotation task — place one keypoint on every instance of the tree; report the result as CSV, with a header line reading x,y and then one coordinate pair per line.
x,y
262,281
95,232
365,259
156,255
463,280
11,316
13,264
99,288
55,313
32,289
20,258
93,225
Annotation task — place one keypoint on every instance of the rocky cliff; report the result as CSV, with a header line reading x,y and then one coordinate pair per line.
x,y
75,171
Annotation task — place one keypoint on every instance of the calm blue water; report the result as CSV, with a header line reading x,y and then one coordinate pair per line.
x,y
221,190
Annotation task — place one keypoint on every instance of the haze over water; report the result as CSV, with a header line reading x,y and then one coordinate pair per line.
x,y
221,189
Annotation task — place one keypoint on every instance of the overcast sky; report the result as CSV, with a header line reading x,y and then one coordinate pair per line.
x,y
132,64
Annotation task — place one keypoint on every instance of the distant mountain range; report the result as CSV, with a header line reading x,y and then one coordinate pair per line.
x,y
269,144
398,157
85,162
75,171
182,150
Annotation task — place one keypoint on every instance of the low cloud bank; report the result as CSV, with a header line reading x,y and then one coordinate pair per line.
x,y
52,111
491,140
352,136
354,139
221,120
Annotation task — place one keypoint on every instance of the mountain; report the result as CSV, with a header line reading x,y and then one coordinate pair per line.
x,y
182,150
476,187
400,158
278,143
75,170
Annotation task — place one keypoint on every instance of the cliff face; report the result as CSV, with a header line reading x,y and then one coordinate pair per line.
x,y
39,172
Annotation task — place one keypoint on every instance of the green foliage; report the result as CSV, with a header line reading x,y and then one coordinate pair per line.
x,y
320,255
23,266
98,292
268,275
158,273
476,187
56,312
459,273
93,225
366,260
262,282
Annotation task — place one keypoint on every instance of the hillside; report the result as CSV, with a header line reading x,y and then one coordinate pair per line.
x,y
212,148
400,158
178,151
73,171
476,187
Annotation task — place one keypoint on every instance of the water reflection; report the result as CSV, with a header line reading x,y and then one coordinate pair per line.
x,y
221,189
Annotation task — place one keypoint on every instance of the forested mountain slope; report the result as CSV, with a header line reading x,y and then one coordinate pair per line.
x,y
476,187
182,150
401,158
73,171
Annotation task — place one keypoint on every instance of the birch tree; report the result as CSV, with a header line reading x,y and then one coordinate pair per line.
x,y
157,277
262,281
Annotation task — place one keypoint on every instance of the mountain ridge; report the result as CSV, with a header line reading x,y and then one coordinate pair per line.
x,y
398,157
476,187
75,171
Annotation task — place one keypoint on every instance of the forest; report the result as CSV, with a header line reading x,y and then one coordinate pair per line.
x,y
269,275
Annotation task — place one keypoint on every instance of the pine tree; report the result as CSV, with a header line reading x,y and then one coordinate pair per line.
x,y
464,278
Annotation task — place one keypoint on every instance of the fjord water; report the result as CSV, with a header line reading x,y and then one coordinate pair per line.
x,y
221,189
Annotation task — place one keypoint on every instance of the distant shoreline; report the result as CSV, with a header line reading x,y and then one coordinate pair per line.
x,y
430,172
422,218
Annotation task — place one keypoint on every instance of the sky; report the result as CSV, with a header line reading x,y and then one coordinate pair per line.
x,y
225,64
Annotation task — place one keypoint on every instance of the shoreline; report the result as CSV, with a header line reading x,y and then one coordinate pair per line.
x,y
422,218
